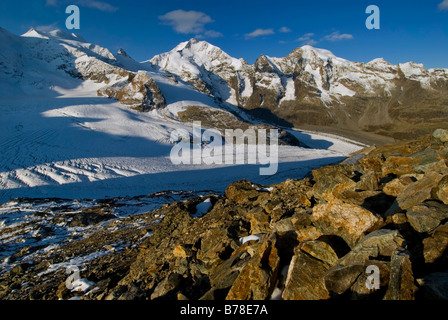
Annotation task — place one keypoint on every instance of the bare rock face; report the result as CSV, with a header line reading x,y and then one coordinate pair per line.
x,y
138,91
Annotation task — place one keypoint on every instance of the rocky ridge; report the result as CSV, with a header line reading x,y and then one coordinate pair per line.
x,y
318,238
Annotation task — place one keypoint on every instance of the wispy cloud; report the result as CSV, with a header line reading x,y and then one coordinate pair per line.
x,y
51,3
337,36
98,5
443,5
307,39
284,30
209,34
259,33
186,22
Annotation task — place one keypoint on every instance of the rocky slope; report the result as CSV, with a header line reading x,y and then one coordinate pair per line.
x,y
312,86
316,238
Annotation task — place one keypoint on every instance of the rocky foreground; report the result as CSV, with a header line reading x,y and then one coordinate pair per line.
x,y
384,209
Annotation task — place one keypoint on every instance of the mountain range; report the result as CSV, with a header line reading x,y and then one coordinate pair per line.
x,y
308,88
79,121
312,86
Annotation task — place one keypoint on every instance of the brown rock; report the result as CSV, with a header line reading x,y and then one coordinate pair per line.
x,y
442,190
308,233
382,243
180,252
418,191
401,283
394,187
348,221
213,244
330,178
340,278
368,182
305,275
356,197
243,192
320,250
347,273
258,277
434,247
259,221
361,290
399,165
427,216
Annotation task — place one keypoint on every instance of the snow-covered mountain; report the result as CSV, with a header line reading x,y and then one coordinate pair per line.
x,y
78,121
312,86
41,60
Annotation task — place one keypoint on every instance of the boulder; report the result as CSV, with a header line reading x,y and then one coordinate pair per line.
x,y
330,178
398,165
310,262
350,271
368,182
394,187
340,278
349,221
427,216
442,190
258,277
401,283
434,247
419,191
242,192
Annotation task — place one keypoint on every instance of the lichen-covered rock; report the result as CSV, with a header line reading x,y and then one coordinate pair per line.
x,y
305,275
257,278
427,216
401,283
435,246
350,222
419,191
441,190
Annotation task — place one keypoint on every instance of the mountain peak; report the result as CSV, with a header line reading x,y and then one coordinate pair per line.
x,y
33,33
123,53
52,33
193,41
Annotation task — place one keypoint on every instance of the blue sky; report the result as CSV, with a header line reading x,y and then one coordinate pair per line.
x,y
410,30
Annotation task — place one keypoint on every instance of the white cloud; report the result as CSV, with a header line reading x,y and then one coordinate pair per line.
x,y
310,42
186,22
443,5
307,39
259,33
284,30
337,36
